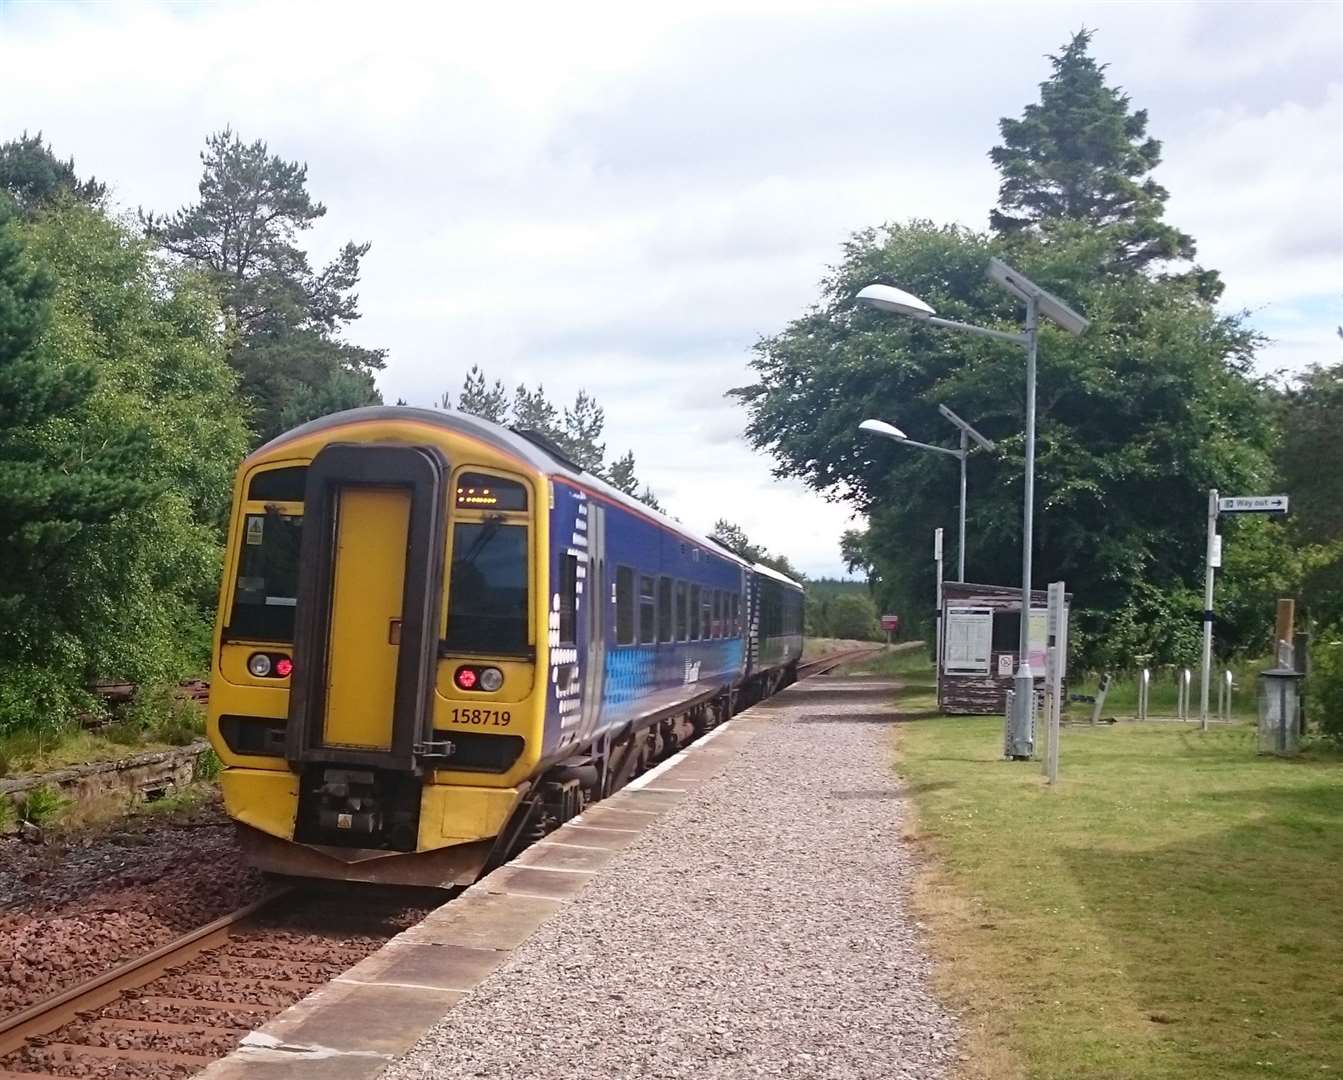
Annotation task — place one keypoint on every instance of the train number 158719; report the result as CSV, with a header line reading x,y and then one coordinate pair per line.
x,y
484,717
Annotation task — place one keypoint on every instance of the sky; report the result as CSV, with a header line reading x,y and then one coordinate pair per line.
x,y
626,197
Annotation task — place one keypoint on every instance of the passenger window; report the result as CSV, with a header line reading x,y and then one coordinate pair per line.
x,y
647,611
682,629
624,605
568,599
664,609
694,613
717,613
706,614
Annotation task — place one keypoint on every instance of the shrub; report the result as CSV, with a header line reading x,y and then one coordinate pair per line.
x,y
1324,694
206,767
159,712
44,804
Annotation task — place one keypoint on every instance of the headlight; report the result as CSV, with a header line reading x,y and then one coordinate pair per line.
x,y
259,664
491,678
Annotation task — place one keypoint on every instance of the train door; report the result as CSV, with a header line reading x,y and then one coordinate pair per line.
x,y
368,581
594,629
369,593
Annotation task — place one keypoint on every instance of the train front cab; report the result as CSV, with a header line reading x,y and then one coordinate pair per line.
x,y
376,704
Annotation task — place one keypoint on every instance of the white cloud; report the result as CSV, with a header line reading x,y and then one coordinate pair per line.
x,y
624,197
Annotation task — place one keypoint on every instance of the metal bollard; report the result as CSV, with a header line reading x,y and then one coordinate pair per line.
x,y
1007,725
1182,707
1227,684
1144,691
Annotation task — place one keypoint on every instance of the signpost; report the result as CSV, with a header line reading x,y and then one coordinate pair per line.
x,y
891,624
1056,665
1232,504
937,558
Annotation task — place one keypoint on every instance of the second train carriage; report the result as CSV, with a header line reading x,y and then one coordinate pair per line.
x,y
437,637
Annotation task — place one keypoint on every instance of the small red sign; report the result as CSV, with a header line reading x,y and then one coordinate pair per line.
x,y
890,622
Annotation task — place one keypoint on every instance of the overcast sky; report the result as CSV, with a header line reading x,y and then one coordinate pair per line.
x,y
625,196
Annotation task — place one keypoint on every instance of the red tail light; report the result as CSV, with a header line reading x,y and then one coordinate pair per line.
x,y
284,667
466,678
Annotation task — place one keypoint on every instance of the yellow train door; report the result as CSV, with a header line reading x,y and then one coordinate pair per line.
x,y
367,596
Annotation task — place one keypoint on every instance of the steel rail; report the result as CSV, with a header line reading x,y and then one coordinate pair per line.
x,y
65,1007
834,660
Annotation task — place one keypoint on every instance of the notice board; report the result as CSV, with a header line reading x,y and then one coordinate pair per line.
x,y
968,641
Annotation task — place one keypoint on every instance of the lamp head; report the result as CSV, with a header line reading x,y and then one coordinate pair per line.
x,y
889,298
880,427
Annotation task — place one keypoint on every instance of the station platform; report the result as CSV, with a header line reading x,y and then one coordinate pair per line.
x,y
738,911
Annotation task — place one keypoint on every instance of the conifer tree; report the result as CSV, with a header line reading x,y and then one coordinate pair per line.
x,y
285,317
1081,156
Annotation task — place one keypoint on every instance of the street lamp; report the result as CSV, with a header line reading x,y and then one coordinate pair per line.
x,y
889,431
1038,302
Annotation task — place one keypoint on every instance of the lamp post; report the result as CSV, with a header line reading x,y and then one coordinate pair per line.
x,y
890,431
1038,302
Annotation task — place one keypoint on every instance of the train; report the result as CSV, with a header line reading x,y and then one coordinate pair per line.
x,y
439,638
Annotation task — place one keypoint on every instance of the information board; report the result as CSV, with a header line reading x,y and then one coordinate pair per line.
x,y
968,644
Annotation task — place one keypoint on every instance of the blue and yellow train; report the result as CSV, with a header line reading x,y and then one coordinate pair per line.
x,y
438,638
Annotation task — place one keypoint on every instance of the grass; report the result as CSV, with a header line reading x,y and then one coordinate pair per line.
x,y
1172,910
158,720
1122,698
813,648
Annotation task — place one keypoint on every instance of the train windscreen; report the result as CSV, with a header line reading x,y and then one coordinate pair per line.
x,y
267,587
487,593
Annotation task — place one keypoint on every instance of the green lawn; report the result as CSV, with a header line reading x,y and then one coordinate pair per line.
x,y
1173,909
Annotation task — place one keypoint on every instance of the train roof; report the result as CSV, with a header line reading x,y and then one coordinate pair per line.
x,y
770,572
537,452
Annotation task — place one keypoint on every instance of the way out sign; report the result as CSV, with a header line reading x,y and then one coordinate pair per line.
x,y
1253,504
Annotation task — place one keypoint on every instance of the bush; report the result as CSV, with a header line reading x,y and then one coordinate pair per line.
x,y
160,713
206,767
1324,692
44,804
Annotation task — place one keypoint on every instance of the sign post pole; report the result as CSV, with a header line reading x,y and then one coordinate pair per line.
x,y
1205,676
937,559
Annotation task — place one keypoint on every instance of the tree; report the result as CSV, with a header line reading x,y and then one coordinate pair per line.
x,y
1310,460
1082,155
576,430
621,474
283,317
479,399
125,473
33,176
582,431
853,616
1135,422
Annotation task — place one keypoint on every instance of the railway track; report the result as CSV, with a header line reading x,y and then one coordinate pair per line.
x,y
834,660
176,1009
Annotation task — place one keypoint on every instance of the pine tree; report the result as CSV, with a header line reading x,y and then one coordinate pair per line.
x,y
284,316
34,176
1082,155
532,411
583,426
481,399
621,474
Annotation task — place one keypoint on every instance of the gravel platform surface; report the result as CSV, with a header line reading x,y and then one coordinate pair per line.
x,y
757,929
